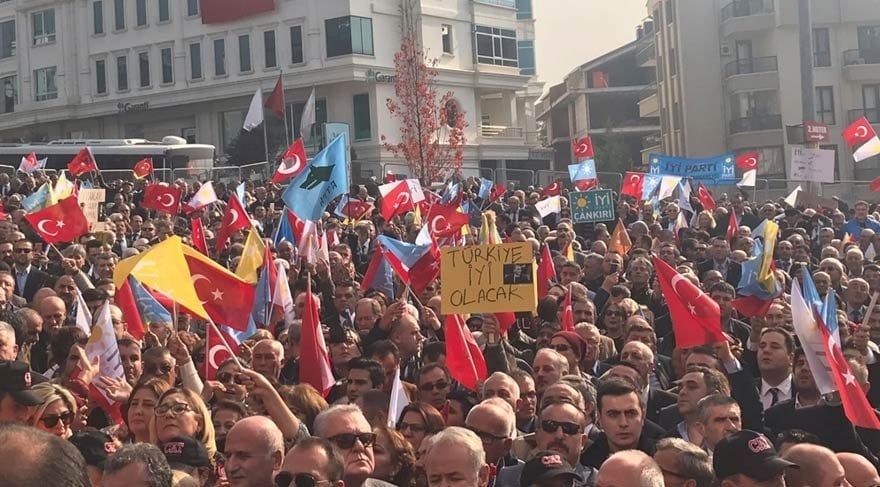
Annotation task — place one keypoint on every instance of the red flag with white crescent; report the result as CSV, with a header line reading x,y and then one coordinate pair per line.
x,y
748,161
143,168
696,318
217,351
633,182
62,222
293,161
859,132
235,218
552,189
445,221
583,148
706,198
162,197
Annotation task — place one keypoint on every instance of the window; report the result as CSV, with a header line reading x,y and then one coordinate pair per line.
x,y
362,116
269,48
144,68
526,57
7,39
673,62
349,35
825,105
44,82
821,47
446,35
195,60
219,57
98,16
167,65
100,77
9,87
244,53
44,27
869,38
496,46
119,14
122,73
670,11
141,9
676,116
871,102
192,7
296,45
524,9
295,116
164,14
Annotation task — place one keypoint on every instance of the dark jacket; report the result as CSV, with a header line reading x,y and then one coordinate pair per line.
x,y
598,451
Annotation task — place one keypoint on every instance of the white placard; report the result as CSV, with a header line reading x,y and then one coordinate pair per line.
x,y
812,165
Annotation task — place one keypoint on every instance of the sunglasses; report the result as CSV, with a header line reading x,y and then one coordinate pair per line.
x,y
442,384
550,426
229,378
23,251
286,479
416,428
346,440
561,347
52,421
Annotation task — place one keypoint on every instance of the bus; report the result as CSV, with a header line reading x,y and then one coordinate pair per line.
x,y
172,157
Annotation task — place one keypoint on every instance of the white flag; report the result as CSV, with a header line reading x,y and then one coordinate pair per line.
x,y
749,179
870,253
548,206
811,340
203,197
255,113
398,400
869,149
791,199
668,185
102,343
308,117
281,297
83,315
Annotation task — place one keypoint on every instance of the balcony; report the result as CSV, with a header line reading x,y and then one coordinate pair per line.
x,y
872,114
751,66
756,123
743,16
501,131
649,103
755,74
861,64
647,57
498,3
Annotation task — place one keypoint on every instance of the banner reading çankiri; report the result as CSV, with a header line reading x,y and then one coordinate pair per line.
x,y
488,278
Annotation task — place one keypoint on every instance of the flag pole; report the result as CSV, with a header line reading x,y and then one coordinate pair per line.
x,y
225,343
284,104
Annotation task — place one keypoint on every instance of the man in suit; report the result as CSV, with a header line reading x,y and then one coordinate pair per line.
x,y
642,357
622,416
775,359
27,278
362,244
719,259
515,212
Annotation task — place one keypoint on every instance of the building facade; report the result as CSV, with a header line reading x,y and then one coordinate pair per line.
x,y
151,68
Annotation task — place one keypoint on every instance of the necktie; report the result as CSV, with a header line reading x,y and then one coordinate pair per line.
x,y
774,391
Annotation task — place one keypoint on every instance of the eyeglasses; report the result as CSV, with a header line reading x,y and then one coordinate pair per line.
x,y
162,369
346,440
177,408
612,312
52,421
416,428
428,387
286,479
561,347
487,437
229,378
550,426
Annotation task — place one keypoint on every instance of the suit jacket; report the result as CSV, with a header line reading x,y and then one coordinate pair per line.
x,y
658,400
734,270
598,451
361,261
510,476
35,280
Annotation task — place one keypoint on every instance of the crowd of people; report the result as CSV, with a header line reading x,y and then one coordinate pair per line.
x,y
614,403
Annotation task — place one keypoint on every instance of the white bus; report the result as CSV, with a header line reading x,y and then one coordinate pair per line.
x,y
173,155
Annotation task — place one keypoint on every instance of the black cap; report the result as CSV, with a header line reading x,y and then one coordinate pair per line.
x,y
96,447
546,465
186,450
16,380
748,453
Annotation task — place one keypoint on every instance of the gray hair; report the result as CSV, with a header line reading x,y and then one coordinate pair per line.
x,y
323,418
7,328
693,462
710,401
75,250
561,361
457,437
506,378
501,408
266,431
158,472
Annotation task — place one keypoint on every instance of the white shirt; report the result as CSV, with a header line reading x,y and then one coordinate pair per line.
x,y
784,393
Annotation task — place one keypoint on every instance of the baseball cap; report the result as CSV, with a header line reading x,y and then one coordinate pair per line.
x,y
96,447
16,380
544,466
186,450
749,453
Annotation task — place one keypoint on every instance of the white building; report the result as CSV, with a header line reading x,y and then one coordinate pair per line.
x,y
150,68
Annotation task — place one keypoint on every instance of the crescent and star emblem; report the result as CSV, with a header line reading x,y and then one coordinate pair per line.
x,y
234,213
290,165
862,131
675,280
166,203
41,226
583,148
434,225
402,199
212,355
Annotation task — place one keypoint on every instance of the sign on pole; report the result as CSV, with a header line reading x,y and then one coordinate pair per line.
x,y
814,165
488,278
816,132
591,206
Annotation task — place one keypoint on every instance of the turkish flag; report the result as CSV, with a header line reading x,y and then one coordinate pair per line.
x,y
143,168
464,359
546,272
312,349
732,226
633,182
583,148
83,162
875,185
275,102
567,312
62,222
226,297
235,218
586,184
356,209
552,189
198,236
125,300
217,350
498,190
446,221
859,132
162,197
748,161
222,11
696,318
425,270
397,201
705,197
293,161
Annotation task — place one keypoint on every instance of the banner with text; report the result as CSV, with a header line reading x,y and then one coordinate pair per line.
x,y
592,206
488,278
812,165
711,171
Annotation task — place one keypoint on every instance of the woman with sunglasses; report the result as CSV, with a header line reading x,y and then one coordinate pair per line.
x,y
56,411
181,412
138,410
418,420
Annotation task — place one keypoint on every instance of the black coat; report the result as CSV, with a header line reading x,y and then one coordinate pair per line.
x,y
36,279
734,270
598,451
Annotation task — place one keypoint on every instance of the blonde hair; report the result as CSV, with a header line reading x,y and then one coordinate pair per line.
x,y
49,393
206,434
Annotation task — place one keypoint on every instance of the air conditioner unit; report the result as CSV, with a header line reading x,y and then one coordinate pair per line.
x,y
725,49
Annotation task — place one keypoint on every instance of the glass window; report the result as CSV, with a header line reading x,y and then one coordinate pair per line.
x,y
821,47
446,38
825,105
164,11
9,87
523,9
362,116
192,7
349,35
44,83
294,113
269,48
296,45
98,16
244,53
219,57
167,65
122,73
44,27
144,68
496,46
526,57
670,11
673,62
100,77
119,14
195,60
871,102
141,9
7,39
869,38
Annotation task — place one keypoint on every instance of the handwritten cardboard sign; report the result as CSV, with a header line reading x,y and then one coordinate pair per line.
x,y
488,278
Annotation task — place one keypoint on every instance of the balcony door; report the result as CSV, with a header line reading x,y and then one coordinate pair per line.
x,y
871,102
744,57
869,44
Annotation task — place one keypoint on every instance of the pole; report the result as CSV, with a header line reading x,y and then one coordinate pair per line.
x,y
284,104
808,106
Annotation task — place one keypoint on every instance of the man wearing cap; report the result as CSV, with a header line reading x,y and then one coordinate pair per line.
x,y
548,469
747,459
187,454
15,391
96,447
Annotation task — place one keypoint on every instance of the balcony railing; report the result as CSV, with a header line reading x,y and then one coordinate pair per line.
x,y
751,65
756,123
500,3
853,57
872,114
501,131
745,8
